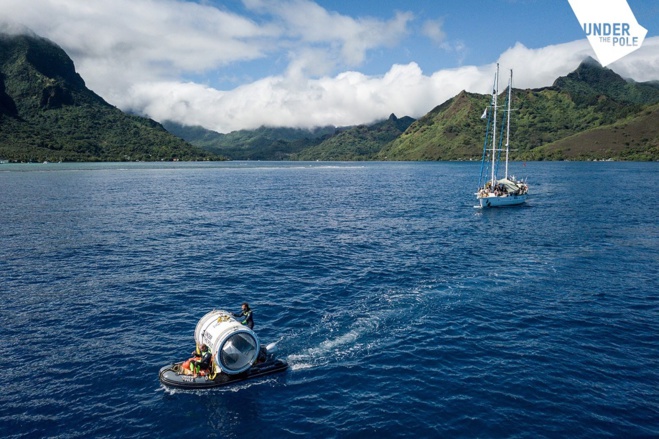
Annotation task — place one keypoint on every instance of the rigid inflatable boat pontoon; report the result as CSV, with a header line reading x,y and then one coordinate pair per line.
x,y
236,355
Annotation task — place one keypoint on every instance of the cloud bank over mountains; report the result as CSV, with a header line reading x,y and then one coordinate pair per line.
x,y
165,59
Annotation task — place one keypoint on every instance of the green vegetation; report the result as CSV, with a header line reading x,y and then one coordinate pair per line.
x,y
48,114
264,143
590,114
591,98
362,142
635,138
450,131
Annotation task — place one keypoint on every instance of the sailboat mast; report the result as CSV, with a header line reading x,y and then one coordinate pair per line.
x,y
510,94
495,93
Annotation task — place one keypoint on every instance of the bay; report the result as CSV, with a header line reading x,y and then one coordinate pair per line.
x,y
402,310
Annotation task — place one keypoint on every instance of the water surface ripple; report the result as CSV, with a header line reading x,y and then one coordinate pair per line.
x,y
402,310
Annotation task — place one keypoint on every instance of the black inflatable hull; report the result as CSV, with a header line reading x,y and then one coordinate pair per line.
x,y
170,377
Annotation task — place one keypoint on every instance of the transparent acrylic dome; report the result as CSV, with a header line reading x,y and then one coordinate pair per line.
x,y
238,352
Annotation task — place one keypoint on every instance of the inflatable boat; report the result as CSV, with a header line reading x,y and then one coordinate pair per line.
x,y
236,355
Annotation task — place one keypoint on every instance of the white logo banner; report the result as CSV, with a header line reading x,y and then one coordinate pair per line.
x,y
610,26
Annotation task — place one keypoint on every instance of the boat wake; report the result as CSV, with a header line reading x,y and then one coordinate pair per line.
x,y
332,349
346,335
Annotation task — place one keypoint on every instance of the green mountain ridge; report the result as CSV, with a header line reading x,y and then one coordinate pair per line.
x,y
589,98
635,138
456,122
48,114
546,124
361,142
591,80
264,143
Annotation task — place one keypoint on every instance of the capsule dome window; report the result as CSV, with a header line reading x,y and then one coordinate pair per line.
x,y
238,351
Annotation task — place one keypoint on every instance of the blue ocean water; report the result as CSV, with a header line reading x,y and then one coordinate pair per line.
x,y
402,310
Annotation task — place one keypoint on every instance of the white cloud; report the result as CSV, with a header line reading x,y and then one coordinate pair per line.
x,y
310,22
540,67
433,30
135,52
342,40
641,65
120,42
345,99
352,98
120,45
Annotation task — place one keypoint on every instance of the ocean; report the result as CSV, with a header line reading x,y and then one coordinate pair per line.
x,y
402,310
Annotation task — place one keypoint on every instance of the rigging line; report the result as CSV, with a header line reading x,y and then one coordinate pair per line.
x,y
500,148
492,106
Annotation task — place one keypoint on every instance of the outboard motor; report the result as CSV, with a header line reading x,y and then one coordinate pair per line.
x,y
234,346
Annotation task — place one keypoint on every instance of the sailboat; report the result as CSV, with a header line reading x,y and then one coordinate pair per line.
x,y
506,191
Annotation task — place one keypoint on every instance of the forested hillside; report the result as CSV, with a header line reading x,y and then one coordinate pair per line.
x,y
47,113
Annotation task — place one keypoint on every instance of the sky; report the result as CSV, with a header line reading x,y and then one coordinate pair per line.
x,y
240,64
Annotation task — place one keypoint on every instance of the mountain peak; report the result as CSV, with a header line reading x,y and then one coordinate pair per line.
x,y
590,61
47,112
51,60
8,27
591,80
592,73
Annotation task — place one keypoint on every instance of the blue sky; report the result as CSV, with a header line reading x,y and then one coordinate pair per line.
x,y
236,64
472,32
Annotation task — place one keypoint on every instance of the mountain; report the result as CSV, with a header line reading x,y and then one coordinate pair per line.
x,y
324,143
48,113
635,138
361,142
445,133
264,143
590,98
590,81
591,113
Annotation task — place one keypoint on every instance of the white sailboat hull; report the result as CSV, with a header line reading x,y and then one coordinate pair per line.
x,y
492,200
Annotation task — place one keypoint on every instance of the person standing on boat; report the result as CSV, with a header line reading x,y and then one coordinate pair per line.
x,y
246,316
203,363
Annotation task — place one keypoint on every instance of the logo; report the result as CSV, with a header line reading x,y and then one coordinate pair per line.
x,y
610,26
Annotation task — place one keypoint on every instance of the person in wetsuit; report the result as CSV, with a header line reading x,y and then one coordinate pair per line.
x,y
246,316
203,363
